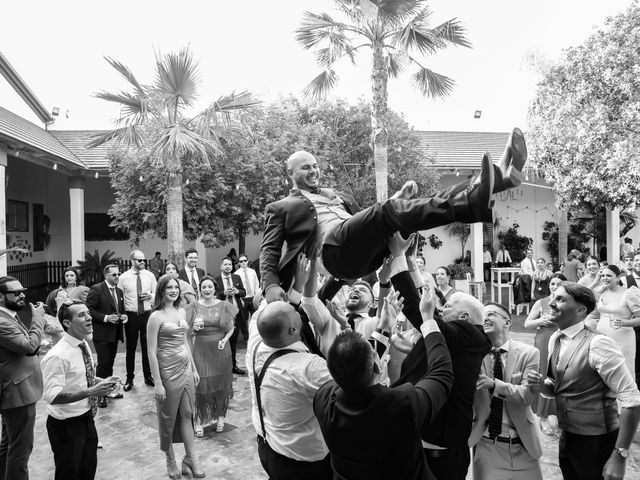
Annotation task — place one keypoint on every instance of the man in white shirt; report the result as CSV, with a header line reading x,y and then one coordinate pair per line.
x,y
588,376
139,287
290,444
528,264
71,389
503,258
249,281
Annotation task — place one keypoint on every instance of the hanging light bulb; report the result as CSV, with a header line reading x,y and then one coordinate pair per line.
x,y
55,166
140,178
96,175
187,182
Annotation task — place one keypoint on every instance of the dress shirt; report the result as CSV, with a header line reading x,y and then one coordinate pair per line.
x,y
486,257
227,281
249,280
11,313
503,256
63,369
606,358
192,274
508,428
287,395
129,289
527,266
329,209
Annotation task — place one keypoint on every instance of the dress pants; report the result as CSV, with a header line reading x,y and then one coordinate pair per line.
x,y
358,245
233,339
582,457
279,467
501,461
452,465
106,352
137,326
17,441
637,332
74,442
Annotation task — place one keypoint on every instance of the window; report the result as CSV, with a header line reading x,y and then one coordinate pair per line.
x,y
17,216
97,228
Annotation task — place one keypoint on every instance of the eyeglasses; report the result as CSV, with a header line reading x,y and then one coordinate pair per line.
x,y
114,274
496,315
140,259
17,293
243,261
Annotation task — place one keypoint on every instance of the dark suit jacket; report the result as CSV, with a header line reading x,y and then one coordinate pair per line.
x,y
237,282
100,303
20,375
290,223
182,274
468,345
376,435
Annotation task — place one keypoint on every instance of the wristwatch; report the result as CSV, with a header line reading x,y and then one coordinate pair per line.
x,y
623,452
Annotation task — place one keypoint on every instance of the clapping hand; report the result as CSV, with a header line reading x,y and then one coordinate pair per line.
x,y
391,306
427,303
301,274
338,314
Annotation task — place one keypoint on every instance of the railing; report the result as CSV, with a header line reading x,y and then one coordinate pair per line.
x,y
49,274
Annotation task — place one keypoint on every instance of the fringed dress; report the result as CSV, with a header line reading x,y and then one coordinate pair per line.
x,y
214,365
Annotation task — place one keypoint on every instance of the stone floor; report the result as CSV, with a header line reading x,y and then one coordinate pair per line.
x,y
128,432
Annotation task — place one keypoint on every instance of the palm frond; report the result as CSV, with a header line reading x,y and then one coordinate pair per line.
x,y
320,86
432,84
453,32
219,112
175,142
315,29
177,79
128,136
123,70
132,107
396,63
389,11
339,46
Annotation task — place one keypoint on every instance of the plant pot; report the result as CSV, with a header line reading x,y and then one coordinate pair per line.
x,y
462,285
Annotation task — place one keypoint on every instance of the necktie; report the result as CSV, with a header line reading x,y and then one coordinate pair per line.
x,y
245,282
351,320
231,298
139,292
194,285
115,298
497,404
555,356
91,375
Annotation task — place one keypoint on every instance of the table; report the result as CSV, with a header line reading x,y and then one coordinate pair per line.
x,y
496,283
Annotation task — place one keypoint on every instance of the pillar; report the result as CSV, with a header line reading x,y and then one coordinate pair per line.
x,y
3,211
613,235
76,210
477,251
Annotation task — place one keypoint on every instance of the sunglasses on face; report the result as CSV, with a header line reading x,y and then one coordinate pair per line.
x,y
140,259
242,261
17,293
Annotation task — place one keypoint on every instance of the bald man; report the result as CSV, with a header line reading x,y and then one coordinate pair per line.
x,y
138,287
353,243
290,444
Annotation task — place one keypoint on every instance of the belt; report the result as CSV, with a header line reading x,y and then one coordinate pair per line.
x,y
509,440
435,453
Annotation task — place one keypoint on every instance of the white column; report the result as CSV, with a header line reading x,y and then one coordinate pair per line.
x,y
477,252
613,236
76,210
3,212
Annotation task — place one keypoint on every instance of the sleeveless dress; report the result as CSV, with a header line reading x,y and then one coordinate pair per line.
x,y
623,308
177,379
541,287
214,365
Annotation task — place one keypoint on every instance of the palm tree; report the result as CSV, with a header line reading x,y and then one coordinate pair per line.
x,y
397,33
153,119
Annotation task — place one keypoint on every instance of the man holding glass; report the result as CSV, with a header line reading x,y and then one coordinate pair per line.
x,y
138,286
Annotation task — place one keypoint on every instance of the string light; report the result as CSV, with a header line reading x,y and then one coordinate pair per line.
x,y
55,166
96,175
140,178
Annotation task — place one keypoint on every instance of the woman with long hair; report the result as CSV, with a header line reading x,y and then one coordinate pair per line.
x,y
540,281
187,294
617,312
538,319
70,288
591,279
443,279
210,322
175,376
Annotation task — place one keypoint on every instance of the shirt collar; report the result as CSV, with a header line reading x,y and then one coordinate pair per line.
x,y
506,346
11,313
573,330
73,341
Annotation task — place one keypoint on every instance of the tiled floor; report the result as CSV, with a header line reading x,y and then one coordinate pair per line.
x,y
128,432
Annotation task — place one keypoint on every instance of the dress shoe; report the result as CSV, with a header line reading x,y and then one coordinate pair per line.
x,y
128,385
102,402
238,371
478,194
149,381
508,172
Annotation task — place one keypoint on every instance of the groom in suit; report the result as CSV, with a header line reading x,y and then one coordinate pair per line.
x,y
106,305
506,443
20,378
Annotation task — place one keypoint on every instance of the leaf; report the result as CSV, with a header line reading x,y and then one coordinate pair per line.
x,y
432,84
320,86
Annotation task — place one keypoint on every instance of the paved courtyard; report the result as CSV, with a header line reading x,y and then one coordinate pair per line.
x,y
128,432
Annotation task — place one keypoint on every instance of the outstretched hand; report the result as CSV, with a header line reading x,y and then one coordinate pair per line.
x,y
398,245
391,306
301,273
427,303
384,275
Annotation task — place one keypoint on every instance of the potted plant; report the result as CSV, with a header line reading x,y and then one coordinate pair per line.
x,y
461,274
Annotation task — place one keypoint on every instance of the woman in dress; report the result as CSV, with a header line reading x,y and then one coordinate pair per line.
x,y
210,322
426,276
539,320
617,312
443,277
174,374
540,281
591,278
187,294
70,288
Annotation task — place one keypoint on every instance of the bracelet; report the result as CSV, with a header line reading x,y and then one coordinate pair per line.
x,y
385,285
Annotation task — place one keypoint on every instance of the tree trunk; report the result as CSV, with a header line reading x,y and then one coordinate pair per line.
x,y
379,134
563,233
174,220
241,242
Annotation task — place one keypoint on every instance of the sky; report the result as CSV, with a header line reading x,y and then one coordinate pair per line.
x,y
59,47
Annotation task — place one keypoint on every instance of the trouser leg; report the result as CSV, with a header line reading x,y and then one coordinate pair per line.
x,y
106,352
74,443
131,330
17,441
582,457
637,333
146,369
233,342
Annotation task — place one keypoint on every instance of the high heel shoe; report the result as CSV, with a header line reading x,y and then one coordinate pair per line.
x,y
220,424
172,469
188,466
